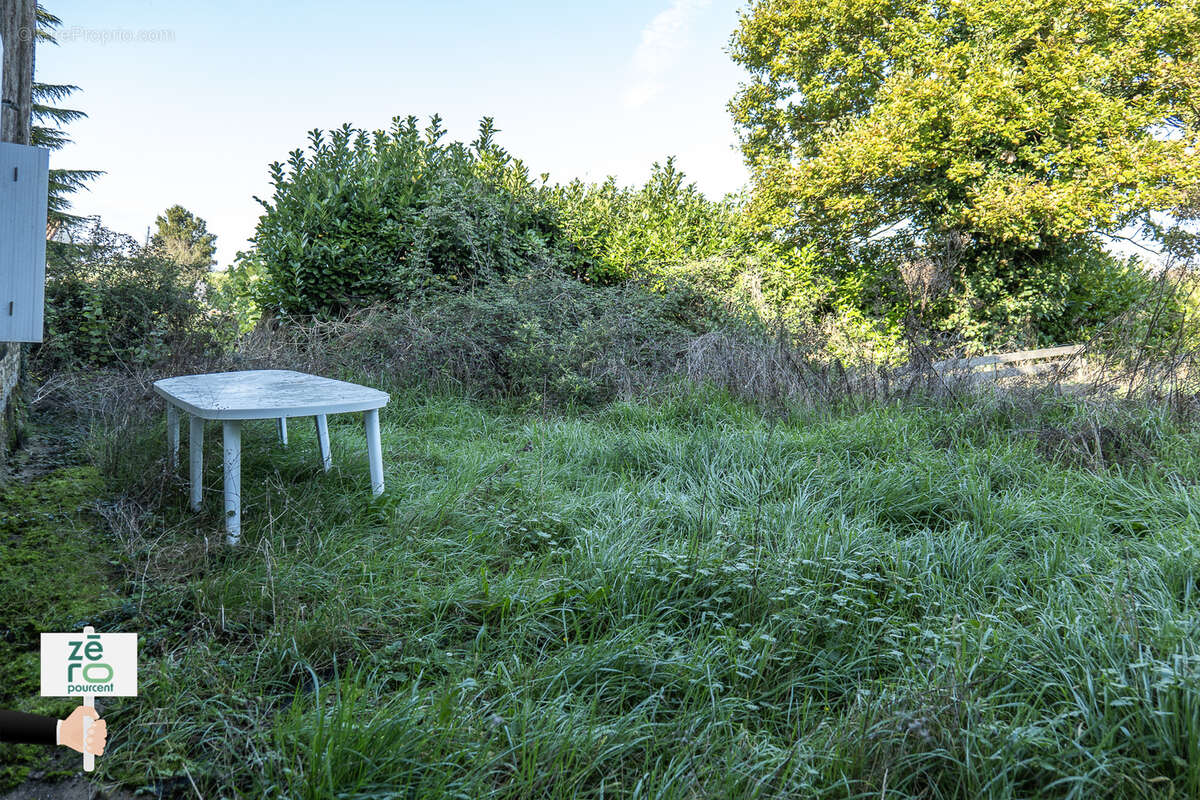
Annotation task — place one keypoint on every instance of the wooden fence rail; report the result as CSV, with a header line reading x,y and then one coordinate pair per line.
x,y
1008,365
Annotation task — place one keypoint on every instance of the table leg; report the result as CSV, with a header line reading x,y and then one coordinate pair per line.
x,y
374,450
196,453
172,436
282,425
323,441
233,480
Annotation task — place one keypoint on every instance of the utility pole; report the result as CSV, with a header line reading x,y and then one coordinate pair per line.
x,y
18,21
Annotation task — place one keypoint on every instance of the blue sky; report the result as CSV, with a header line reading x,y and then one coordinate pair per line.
x,y
189,102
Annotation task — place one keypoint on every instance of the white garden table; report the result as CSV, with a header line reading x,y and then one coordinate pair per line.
x,y
233,397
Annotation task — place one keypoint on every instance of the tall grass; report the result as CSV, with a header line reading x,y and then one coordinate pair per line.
x,y
672,599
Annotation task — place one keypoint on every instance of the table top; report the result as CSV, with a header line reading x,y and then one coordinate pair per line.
x,y
266,393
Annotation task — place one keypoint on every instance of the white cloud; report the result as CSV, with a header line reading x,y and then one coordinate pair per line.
x,y
663,41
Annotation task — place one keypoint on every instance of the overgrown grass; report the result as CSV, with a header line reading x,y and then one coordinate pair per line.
x,y
52,578
678,599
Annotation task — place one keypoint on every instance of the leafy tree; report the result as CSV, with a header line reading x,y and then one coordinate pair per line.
x,y
184,237
1005,139
49,119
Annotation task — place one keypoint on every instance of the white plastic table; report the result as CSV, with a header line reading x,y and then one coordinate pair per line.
x,y
232,397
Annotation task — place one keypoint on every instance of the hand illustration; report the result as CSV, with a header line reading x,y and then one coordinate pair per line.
x,y
71,733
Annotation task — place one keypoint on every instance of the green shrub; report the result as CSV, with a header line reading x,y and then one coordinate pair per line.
x,y
362,218
800,294
110,300
623,231
1055,297
234,291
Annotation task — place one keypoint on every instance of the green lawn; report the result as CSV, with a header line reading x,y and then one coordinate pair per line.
x,y
677,599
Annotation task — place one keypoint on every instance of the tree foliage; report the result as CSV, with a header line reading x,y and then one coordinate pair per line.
x,y
49,119
184,237
1002,138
